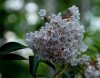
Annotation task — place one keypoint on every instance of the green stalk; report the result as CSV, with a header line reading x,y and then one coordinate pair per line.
x,y
60,72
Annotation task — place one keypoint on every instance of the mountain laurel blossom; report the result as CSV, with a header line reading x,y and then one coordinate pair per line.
x,y
60,40
42,12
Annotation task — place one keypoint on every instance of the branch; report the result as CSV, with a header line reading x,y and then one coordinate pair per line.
x,y
59,73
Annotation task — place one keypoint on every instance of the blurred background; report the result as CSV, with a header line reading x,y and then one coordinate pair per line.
x,y
17,17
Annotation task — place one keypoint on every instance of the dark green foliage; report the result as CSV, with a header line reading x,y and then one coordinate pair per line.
x,y
14,69
11,57
11,46
33,62
49,64
68,75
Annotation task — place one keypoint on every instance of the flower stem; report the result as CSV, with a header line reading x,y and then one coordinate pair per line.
x,y
60,72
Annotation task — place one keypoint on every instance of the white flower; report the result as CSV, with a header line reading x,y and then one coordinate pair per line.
x,y
83,48
42,12
84,59
60,39
74,62
75,12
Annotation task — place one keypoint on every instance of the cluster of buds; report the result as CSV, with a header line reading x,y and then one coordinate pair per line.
x,y
93,69
61,38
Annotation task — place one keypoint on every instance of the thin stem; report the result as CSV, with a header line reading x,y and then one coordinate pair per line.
x,y
81,73
59,73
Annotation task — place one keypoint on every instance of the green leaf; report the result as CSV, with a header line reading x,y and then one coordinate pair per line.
x,y
11,46
11,57
33,62
49,63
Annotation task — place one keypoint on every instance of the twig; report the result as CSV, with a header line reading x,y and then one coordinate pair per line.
x,y
59,73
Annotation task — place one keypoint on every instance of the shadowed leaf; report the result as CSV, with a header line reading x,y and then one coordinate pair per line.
x,y
11,46
33,62
50,64
11,57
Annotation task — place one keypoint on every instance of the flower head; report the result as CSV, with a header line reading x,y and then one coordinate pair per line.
x,y
60,40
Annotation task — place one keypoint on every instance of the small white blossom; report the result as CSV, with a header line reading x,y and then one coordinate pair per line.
x,y
83,48
42,12
74,62
84,59
75,12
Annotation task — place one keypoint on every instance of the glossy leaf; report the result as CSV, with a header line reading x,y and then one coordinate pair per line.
x,y
11,46
33,62
50,64
11,57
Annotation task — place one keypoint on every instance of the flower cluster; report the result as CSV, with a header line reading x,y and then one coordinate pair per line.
x,y
93,71
60,40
